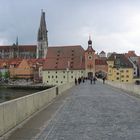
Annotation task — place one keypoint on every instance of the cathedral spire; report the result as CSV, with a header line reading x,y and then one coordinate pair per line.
x,y
42,32
42,37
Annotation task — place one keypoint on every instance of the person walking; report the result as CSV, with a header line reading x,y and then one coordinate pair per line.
x,y
75,81
90,80
94,80
103,80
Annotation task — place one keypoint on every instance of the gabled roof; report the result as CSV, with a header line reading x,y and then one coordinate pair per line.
x,y
120,61
63,57
102,52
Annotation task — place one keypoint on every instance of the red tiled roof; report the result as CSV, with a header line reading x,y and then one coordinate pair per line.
x,y
130,54
63,57
31,48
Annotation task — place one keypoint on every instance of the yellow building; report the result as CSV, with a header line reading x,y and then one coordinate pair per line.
x,y
120,69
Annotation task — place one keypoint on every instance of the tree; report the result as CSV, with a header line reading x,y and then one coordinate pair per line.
x,y
6,74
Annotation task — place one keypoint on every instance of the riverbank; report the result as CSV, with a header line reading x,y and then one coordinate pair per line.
x,y
34,86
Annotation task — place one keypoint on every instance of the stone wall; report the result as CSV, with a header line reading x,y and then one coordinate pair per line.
x,y
15,112
125,86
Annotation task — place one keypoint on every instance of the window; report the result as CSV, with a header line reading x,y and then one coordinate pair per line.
x,y
117,73
48,76
56,76
61,82
56,72
56,81
64,77
134,72
117,78
72,77
48,72
52,76
127,70
127,76
126,80
63,71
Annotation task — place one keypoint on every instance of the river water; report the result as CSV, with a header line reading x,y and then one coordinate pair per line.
x,y
9,94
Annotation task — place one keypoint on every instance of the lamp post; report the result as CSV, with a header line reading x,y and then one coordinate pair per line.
x,y
67,75
68,71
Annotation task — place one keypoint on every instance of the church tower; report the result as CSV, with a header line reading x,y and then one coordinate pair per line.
x,y
90,60
42,39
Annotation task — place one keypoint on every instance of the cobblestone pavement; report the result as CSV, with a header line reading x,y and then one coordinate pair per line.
x,y
94,112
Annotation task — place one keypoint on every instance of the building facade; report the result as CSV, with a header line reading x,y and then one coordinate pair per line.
x,y
67,63
120,69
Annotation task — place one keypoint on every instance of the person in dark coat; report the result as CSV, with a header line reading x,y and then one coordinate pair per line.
x,y
104,80
91,80
94,80
75,81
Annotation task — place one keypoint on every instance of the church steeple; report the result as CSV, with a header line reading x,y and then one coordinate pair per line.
x,y
42,37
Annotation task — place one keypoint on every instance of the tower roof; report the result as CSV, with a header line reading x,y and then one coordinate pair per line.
x,y
90,45
42,32
90,41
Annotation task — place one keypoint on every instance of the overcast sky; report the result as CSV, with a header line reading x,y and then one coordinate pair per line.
x,y
114,25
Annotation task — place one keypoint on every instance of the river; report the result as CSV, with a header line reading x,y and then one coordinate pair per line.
x,y
9,94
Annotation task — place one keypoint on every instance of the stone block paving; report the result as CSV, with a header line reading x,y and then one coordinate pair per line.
x,y
94,112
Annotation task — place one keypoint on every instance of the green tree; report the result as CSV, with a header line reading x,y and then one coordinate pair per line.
x,y
6,74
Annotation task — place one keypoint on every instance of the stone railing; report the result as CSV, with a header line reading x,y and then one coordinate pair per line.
x,y
125,86
17,111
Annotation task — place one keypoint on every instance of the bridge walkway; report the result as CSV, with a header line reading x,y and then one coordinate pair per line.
x,y
86,112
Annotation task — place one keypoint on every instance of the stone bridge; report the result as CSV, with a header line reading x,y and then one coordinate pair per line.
x,y
86,112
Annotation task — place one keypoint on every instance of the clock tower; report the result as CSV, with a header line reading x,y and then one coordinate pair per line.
x,y
90,60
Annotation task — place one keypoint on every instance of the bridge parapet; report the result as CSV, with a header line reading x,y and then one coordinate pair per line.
x,y
124,86
15,112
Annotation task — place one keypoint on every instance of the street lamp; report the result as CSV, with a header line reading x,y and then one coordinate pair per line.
x,y
67,75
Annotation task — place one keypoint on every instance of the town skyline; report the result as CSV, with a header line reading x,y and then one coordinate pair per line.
x,y
113,26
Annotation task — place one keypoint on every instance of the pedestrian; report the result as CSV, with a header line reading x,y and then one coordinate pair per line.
x,y
79,80
103,80
75,81
94,80
90,80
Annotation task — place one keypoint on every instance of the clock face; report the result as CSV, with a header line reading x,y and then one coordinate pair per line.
x,y
90,57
